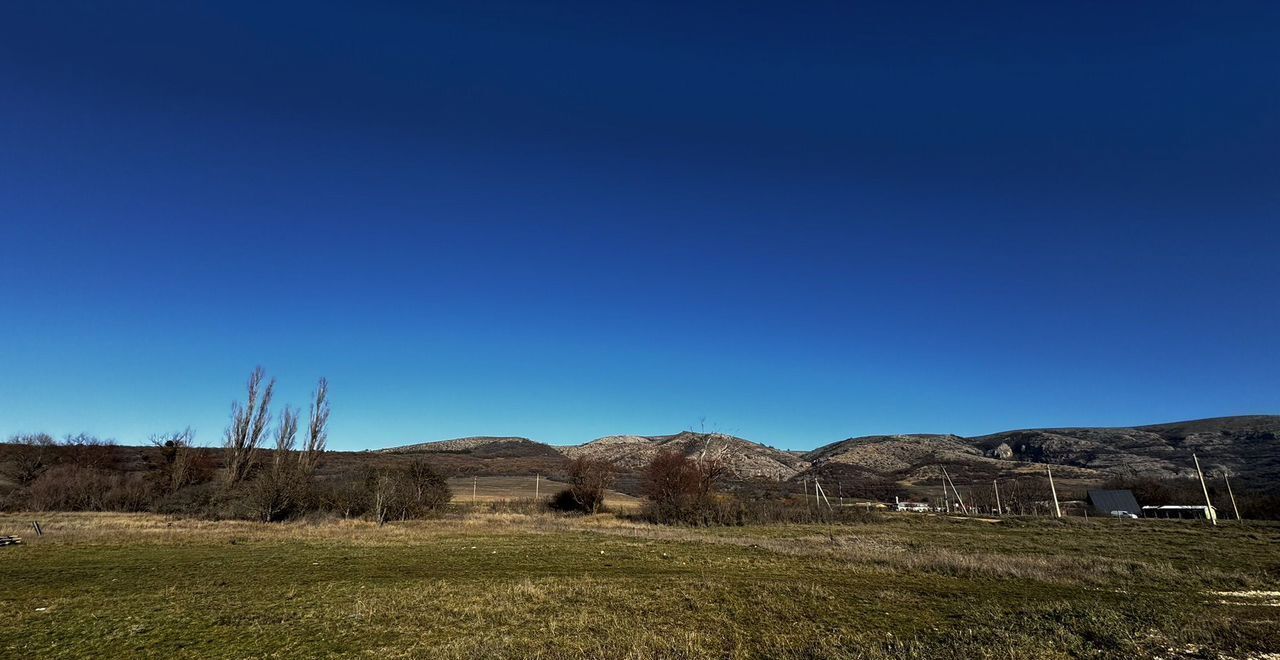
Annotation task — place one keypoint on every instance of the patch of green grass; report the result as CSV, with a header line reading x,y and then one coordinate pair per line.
x,y
513,586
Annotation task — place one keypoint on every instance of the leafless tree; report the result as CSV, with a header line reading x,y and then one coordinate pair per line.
x,y
1026,495
249,423
680,488
32,455
89,451
318,431
428,489
711,466
179,457
286,439
385,493
588,480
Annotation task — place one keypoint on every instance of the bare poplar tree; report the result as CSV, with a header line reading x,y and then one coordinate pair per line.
x,y
248,424
318,431
286,437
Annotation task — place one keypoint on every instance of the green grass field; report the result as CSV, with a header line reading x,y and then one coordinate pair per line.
x,y
507,585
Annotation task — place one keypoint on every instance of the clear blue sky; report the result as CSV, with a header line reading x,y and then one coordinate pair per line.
x,y
564,221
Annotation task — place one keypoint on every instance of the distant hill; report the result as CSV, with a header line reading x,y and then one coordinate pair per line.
x,y
482,447
1247,447
744,458
914,458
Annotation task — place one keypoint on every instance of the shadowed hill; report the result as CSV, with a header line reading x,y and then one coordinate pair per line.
x,y
482,447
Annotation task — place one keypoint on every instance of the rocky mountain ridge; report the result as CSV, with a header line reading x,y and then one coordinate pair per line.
x,y
1247,447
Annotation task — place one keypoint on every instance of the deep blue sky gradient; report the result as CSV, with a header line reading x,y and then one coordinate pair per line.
x,y
562,220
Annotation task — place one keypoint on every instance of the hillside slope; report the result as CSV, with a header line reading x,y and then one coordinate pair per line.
x,y
745,459
1247,447
915,458
482,447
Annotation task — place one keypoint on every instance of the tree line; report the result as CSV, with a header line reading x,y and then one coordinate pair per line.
x,y
260,472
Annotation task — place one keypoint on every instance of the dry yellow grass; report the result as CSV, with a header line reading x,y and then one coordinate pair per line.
x,y
513,489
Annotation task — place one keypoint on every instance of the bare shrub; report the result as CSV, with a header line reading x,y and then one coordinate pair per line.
x,y
68,488
180,459
727,509
89,451
129,491
685,491
196,499
428,490
346,494
282,491
588,481
72,487
681,489
277,494
416,491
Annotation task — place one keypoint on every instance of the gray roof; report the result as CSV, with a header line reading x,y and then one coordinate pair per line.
x,y
1107,501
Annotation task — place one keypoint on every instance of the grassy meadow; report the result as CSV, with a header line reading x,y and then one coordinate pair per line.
x,y
483,584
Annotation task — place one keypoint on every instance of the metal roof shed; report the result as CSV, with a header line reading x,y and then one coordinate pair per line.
x,y
1106,501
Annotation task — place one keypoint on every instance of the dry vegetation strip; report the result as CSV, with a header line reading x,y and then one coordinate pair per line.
x,y
522,488
497,585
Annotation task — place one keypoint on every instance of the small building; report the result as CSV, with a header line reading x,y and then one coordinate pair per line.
x,y
917,507
1182,511
1117,503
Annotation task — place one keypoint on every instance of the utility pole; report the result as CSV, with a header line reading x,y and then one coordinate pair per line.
x,y
474,479
818,490
537,478
959,499
1213,518
999,509
1235,508
1057,512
